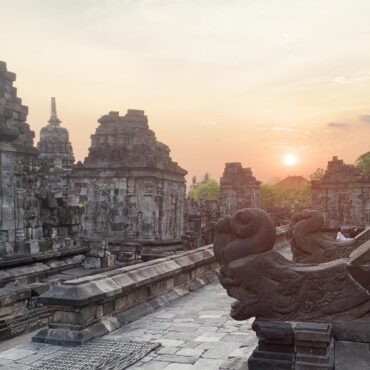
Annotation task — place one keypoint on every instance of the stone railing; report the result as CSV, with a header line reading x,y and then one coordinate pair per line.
x,y
92,306
89,307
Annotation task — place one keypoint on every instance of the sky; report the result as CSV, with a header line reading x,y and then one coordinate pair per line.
x,y
248,81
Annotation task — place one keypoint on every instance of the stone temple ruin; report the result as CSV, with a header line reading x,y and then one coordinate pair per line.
x,y
342,195
238,189
128,185
75,240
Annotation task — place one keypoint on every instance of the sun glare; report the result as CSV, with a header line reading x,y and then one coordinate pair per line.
x,y
290,159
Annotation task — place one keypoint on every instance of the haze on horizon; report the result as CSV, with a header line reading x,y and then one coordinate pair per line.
x,y
220,81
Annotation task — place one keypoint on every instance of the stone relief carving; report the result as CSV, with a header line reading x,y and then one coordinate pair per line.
x,y
266,285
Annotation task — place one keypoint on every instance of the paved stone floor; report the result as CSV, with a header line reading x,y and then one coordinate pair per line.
x,y
196,332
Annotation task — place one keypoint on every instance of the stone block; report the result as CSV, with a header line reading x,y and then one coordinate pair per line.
x,y
92,262
33,246
96,252
108,261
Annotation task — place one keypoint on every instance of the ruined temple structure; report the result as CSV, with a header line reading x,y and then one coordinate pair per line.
x,y
238,189
37,225
56,151
200,218
342,195
128,185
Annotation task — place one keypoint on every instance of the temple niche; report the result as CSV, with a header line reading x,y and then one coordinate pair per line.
x,y
128,185
238,189
342,195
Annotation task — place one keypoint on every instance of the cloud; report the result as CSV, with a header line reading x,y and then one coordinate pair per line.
x,y
364,118
337,125
348,80
285,41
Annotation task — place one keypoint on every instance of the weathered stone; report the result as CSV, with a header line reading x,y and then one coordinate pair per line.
x,y
342,195
143,180
238,189
309,245
267,285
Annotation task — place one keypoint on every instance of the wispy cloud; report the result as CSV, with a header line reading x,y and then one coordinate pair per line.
x,y
337,125
285,40
364,118
349,80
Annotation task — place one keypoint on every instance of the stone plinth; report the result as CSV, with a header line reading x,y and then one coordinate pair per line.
x,y
342,195
94,306
284,345
275,348
238,189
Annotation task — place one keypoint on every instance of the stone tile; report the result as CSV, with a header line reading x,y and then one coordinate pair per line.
x,y
180,335
210,316
167,350
243,352
169,342
189,344
179,367
196,352
242,339
207,364
352,356
207,329
177,359
210,337
16,353
153,365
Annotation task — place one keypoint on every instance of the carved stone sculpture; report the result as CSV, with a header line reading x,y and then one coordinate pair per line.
x,y
309,245
269,286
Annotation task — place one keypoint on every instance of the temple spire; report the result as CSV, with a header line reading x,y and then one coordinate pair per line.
x,y
54,120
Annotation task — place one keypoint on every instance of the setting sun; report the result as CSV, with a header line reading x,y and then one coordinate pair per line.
x,y
290,159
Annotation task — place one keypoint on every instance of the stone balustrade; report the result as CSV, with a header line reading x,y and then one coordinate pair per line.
x,y
89,307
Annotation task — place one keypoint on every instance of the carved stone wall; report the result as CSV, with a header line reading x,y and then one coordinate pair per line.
x,y
238,189
32,219
342,195
129,187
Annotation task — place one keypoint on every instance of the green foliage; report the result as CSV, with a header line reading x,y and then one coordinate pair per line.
x,y
363,162
277,197
318,174
207,189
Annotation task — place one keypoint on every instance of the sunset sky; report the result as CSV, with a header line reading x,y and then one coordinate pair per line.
x,y
220,81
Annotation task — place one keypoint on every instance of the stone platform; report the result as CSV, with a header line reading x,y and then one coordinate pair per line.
x,y
195,331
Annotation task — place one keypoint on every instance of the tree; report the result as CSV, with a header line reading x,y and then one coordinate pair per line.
x,y
207,189
277,196
363,162
318,174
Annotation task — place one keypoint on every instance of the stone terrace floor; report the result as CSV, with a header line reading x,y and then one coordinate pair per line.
x,y
196,332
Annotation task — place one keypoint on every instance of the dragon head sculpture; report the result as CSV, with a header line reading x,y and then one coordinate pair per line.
x,y
266,285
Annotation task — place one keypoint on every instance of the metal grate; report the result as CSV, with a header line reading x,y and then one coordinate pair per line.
x,y
100,354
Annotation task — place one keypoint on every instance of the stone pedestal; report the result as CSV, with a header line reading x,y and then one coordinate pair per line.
x,y
275,348
314,346
289,345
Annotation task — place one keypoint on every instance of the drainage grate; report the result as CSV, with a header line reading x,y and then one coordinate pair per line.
x,y
100,354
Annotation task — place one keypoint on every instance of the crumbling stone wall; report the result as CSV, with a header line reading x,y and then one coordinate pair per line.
x,y
342,195
238,189
129,186
200,219
32,219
